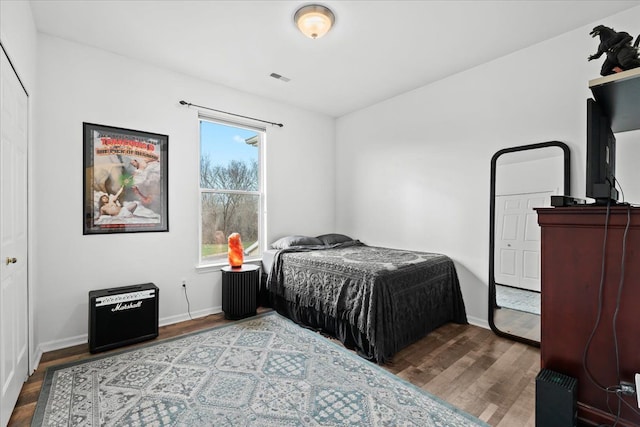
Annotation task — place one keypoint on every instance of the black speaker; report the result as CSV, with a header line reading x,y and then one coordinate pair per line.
x,y
122,316
556,400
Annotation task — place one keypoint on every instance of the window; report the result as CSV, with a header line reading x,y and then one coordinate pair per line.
x,y
231,196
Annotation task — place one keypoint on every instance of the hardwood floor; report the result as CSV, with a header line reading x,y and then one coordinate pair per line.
x,y
520,323
468,366
475,370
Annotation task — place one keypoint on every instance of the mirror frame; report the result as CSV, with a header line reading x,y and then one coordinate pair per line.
x,y
492,282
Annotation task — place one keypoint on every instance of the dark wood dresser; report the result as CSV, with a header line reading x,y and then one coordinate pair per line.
x,y
572,266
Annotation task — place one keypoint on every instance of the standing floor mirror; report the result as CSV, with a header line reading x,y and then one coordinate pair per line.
x,y
522,178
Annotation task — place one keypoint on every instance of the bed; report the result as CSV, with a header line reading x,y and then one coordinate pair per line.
x,y
375,300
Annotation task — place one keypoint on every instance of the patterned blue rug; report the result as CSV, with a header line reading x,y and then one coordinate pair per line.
x,y
518,299
263,371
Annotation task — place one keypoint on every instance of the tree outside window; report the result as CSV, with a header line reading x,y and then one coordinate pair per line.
x,y
230,190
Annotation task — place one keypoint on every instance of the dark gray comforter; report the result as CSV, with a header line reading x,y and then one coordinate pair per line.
x,y
385,298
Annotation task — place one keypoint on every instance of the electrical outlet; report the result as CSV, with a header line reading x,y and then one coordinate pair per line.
x,y
627,388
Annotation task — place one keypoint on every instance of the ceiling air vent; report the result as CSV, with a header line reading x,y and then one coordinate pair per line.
x,y
279,77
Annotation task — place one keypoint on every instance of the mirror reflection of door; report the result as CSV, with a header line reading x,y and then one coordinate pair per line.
x,y
523,178
517,246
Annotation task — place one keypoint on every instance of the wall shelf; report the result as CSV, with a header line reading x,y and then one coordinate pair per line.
x,y
619,96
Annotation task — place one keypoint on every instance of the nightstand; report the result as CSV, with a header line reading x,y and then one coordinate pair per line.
x,y
240,291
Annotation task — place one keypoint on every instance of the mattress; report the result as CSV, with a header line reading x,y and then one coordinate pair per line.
x,y
267,260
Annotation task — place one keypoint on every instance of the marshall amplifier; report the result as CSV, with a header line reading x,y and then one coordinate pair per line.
x,y
122,316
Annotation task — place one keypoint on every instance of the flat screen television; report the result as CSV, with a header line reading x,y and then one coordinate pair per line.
x,y
601,156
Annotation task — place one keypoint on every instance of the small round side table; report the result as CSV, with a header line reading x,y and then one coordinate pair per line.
x,y
240,291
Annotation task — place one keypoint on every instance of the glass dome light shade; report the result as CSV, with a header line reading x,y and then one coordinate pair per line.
x,y
314,21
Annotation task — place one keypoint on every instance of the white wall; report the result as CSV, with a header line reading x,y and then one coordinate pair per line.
x,y
627,170
530,176
413,171
79,84
18,36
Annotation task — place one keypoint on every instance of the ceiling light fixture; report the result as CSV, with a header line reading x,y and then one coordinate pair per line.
x,y
314,20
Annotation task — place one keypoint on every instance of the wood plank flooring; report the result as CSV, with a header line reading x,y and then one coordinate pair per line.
x,y
468,366
519,323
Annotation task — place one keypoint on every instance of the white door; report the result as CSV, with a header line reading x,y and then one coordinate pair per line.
x,y
517,244
14,332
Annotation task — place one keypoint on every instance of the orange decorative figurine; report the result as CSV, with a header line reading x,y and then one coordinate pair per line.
x,y
236,253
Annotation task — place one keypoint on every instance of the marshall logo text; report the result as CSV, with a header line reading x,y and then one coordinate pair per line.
x,y
120,306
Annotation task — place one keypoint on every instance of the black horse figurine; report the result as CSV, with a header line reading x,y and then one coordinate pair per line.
x,y
621,55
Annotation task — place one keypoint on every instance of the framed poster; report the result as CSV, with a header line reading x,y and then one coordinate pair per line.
x,y
125,180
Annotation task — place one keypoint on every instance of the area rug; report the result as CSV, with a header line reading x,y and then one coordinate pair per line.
x,y
518,299
263,371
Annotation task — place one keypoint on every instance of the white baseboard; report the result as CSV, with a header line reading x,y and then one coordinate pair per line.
x,y
35,361
477,321
185,316
63,343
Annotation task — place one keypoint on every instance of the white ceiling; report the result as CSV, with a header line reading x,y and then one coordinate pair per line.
x,y
377,49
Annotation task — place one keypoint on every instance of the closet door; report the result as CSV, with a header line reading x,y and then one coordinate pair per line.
x,y
14,327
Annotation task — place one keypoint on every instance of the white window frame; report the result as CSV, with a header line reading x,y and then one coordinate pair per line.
x,y
261,193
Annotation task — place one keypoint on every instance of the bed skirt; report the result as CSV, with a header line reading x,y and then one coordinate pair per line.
x,y
343,330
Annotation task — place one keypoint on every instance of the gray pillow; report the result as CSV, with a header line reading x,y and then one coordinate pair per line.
x,y
333,238
296,240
